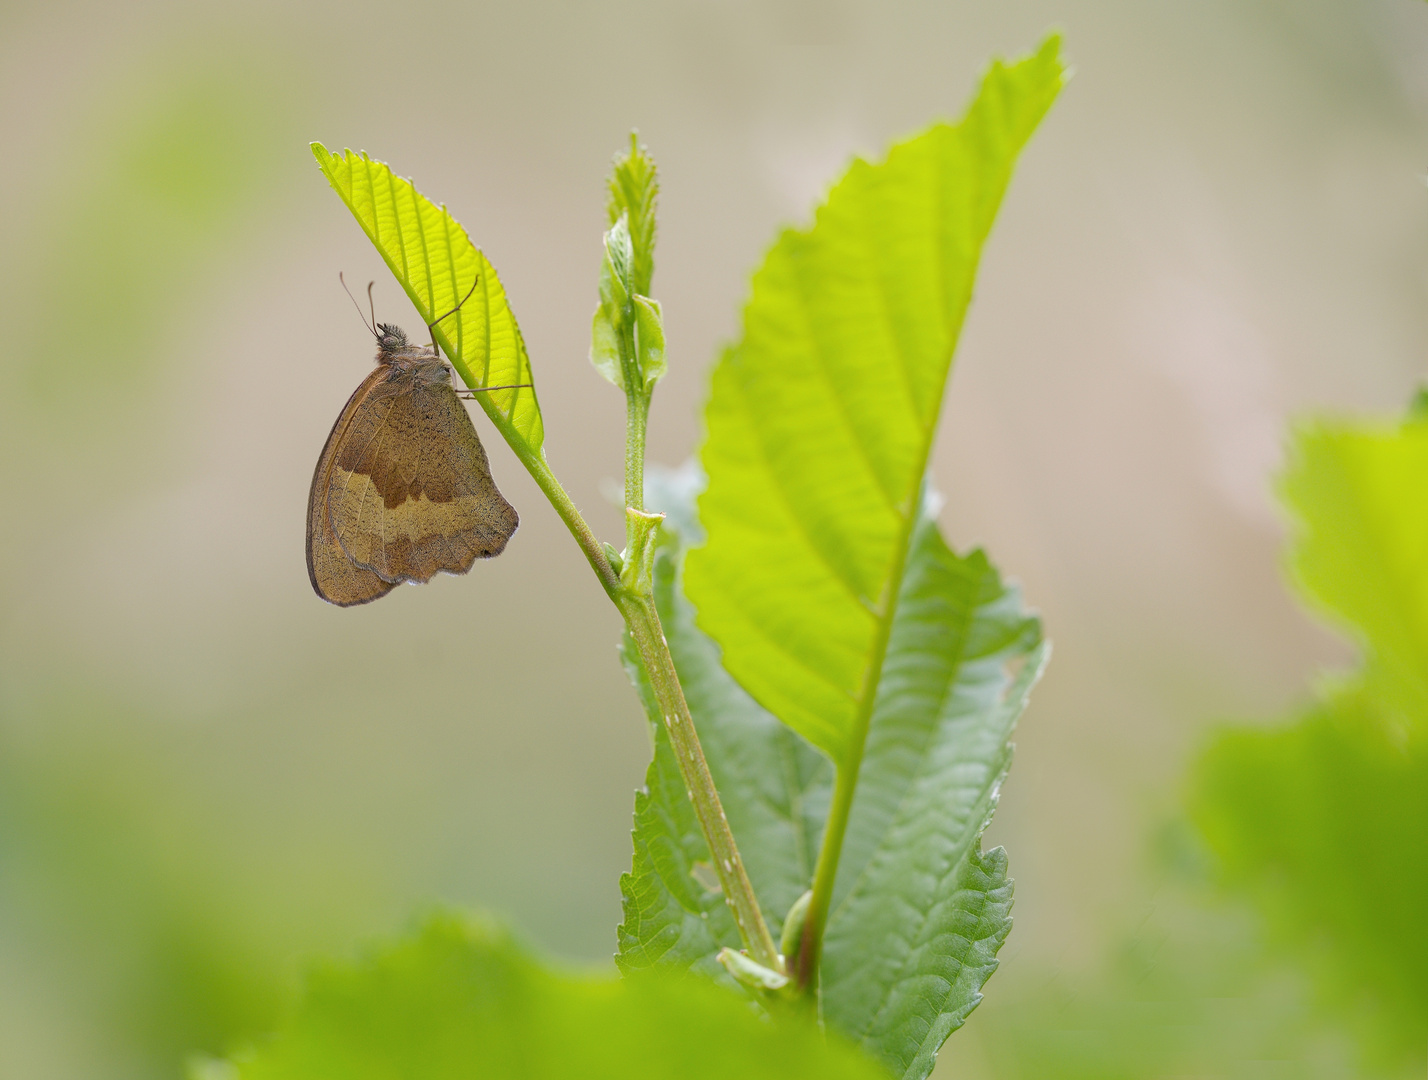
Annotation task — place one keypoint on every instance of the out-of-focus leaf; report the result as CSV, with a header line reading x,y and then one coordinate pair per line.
x,y
461,1000
1324,822
113,256
914,931
1186,992
821,418
1360,494
436,263
1324,825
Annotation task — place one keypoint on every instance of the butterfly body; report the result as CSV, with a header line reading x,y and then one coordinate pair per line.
x,y
403,489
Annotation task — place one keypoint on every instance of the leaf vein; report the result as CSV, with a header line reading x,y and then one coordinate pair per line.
x,y
843,407
801,528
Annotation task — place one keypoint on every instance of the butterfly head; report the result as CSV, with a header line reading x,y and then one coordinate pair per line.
x,y
390,338
419,362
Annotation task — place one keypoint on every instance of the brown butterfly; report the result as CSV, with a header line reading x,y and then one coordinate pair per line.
x,y
403,490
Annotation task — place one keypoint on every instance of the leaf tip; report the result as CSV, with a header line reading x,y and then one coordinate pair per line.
x,y
1050,54
1046,57
325,157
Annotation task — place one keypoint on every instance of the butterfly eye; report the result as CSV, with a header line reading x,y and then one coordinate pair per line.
x,y
446,368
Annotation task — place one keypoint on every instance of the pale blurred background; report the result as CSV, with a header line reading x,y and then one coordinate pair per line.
x,y
208,777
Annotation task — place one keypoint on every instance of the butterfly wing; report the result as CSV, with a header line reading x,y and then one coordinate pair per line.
x,y
412,494
334,576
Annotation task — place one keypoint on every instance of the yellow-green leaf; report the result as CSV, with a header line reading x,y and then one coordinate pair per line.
x,y
437,264
821,418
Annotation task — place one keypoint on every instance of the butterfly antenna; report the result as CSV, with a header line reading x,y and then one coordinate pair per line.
x,y
371,307
354,301
487,389
432,325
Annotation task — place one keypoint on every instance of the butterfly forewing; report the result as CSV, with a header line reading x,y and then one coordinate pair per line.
x,y
411,492
334,576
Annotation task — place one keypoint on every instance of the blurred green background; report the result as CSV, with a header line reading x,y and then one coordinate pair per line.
x,y
208,777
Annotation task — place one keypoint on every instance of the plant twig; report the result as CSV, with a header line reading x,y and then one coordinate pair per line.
x,y
641,616
629,331
535,464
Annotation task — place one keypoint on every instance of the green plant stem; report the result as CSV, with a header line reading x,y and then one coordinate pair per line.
x,y
810,945
636,603
545,479
637,411
634,598
643,620
845,785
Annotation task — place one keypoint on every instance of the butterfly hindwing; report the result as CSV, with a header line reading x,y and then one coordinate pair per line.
x,y
411,493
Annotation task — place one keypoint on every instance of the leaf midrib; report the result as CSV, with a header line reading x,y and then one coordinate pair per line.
x,y
947,686
821,362
906,519
929,431
873,672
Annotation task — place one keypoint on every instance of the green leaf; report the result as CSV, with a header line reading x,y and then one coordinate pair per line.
x,y
612,329
1323,822
461,1000
913,937
920,911
615,284
634,190
1360,495
1324,827
434,260
822,417
609,323
1183,991
191,153
624,318
649,340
